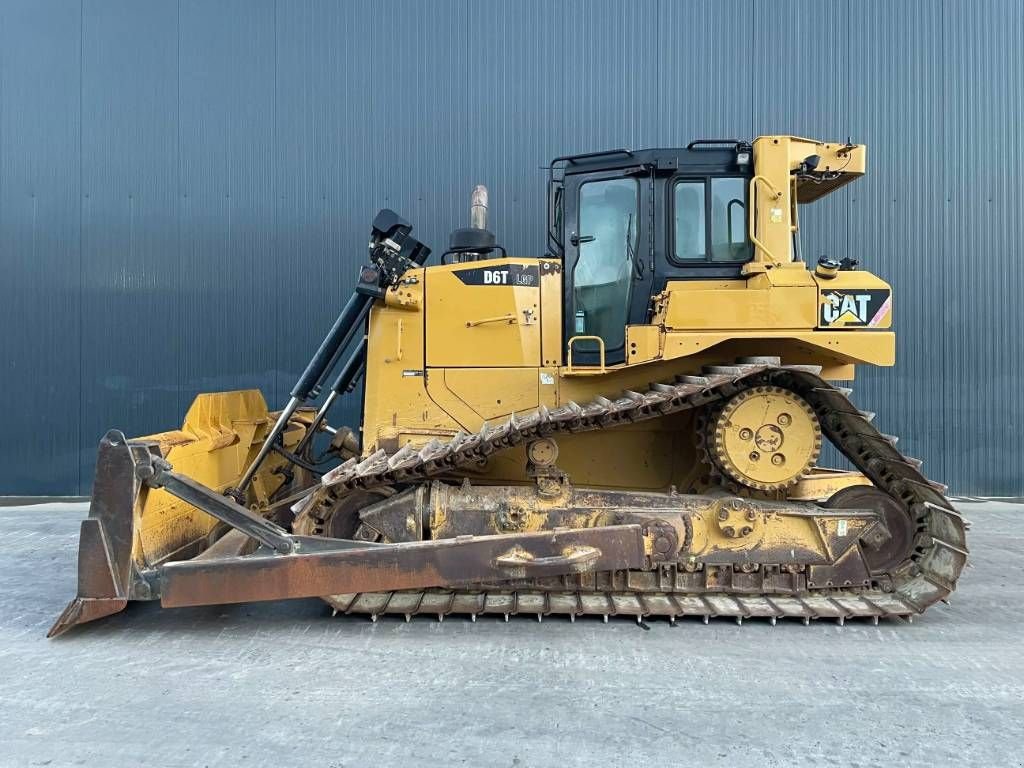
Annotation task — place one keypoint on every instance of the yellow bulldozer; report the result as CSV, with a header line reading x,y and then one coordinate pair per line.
x,y
629,425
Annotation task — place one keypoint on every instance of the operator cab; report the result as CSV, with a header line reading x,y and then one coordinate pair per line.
x,y
626,222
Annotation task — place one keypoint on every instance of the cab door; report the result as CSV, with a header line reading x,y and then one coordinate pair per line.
x,y
608,269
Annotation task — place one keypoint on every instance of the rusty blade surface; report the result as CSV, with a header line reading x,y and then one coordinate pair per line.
x,y
85,609
105,542
417,565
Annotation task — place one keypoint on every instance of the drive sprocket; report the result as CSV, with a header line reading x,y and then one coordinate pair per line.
x,y
765,437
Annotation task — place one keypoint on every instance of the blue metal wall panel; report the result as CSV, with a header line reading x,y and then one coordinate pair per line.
x,y
40,259
705,84
895,224
186,187
132,277
224,189
979,318
331,150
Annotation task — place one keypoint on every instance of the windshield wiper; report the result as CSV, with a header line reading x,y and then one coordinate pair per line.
x,y
638,265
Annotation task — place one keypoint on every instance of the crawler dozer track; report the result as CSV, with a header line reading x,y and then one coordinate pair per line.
x,y
933,563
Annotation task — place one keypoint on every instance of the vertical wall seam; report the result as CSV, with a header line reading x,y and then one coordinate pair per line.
x,y
848,192
275,203
179,207
944,227
3,69
753,65
80,489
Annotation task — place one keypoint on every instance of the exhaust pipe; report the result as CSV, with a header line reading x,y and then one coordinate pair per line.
x,y
478,207
474,242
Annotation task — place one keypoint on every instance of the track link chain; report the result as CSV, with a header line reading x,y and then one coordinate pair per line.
x,y
929,575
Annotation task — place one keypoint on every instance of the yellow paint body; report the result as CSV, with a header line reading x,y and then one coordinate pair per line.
x,y
220,436
446,356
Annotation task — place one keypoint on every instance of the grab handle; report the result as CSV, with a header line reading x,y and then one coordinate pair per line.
x,y
753,208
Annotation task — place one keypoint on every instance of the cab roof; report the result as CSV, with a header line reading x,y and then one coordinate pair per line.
x,y
717,155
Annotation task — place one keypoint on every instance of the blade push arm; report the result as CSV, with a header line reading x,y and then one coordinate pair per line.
x,y
290,566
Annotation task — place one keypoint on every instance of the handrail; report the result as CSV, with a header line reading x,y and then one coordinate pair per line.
x,y
573,340
753,208
510,318
793,207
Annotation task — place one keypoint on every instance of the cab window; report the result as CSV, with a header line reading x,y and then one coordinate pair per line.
x,y
729,220
710,222
691,231
603,275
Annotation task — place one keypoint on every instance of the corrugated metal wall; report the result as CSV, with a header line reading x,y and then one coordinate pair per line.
x,y
186,187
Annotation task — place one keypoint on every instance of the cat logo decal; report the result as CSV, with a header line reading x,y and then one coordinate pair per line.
x,y
855,309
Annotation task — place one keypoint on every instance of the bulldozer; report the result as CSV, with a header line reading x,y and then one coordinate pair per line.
x,y
627,426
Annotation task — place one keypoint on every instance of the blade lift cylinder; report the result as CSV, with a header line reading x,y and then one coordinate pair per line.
x,y
393,251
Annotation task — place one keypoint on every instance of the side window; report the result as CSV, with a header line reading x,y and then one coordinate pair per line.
x,y
729,220
724,238
691,231
603,274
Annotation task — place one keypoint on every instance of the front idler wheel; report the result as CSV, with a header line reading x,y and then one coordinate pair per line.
x,y
887,546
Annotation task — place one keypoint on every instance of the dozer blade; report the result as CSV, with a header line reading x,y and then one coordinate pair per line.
x,y
289,566
132,529
105,541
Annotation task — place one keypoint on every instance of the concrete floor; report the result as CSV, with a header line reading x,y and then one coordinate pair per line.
x,y
285,684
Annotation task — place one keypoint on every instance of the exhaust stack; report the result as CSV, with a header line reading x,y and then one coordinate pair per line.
x,y
474,242
478,207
